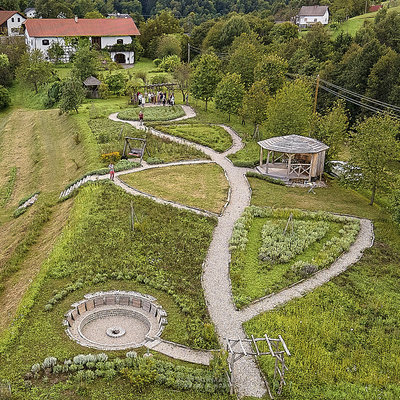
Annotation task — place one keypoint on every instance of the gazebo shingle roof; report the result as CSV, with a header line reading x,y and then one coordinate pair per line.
x,y
91,81
293,144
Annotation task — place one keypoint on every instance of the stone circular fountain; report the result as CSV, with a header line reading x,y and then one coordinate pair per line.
x,y
115,320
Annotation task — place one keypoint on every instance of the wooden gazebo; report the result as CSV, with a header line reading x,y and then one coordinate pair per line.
x,y
92,86
293,157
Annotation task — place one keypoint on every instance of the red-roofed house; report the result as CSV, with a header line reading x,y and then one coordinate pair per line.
x,y
375,8
11,22
114,35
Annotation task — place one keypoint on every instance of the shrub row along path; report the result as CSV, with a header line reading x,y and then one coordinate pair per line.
x,y
216,280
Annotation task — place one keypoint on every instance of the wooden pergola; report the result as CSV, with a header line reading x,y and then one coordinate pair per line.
x,y
293,157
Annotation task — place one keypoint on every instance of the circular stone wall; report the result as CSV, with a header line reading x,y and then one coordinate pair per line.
x,y
115,320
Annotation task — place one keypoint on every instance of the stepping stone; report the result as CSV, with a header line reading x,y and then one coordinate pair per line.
x,y
82,308
90,305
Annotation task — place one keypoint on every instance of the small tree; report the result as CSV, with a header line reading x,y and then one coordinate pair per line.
x,y
229,94
55,52
86,62
182,75
290,111
331,129
5,99
254,105
272,69
169,63
116,82
72,95
373,149
169,45
206,77
34,69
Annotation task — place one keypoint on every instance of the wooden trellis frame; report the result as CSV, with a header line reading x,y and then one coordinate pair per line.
x,y
239,348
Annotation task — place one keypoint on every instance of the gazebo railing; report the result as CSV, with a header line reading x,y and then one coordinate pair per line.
x,y
300,169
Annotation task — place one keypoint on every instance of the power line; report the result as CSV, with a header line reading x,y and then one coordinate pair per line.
x,y
371,107
362,97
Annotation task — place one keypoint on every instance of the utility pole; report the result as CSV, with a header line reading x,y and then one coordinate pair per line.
x,y
316,95
188,53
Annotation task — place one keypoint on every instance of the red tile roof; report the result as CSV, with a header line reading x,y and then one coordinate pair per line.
x,y
5,15
84,27
375,8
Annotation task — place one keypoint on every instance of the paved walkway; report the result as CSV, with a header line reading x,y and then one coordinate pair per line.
x,y
216,280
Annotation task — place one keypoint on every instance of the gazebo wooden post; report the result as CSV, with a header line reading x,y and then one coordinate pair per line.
x,y
289,164
261,156
266,166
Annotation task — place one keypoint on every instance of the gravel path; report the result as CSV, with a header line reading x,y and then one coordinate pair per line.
x,y
180,352
216,280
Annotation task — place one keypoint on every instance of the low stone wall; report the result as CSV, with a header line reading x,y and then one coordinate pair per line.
x,y
103,305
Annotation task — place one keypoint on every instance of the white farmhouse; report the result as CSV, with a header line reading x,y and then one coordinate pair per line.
x,y
11,23
114,35
310,15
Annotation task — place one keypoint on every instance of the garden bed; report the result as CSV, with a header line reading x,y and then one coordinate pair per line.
x,y
157,113
110,137
272,249
213,136
176,184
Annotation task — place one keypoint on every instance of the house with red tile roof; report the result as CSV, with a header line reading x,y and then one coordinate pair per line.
x,y
115,35
11,22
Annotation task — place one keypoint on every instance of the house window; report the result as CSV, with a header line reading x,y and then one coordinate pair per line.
x,y
19,19
120,41
12,19
315,19
45,42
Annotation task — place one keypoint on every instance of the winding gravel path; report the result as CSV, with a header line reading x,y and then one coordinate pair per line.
x,y
216,280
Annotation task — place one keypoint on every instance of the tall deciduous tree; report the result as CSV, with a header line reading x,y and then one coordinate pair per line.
x,y
55,52
72,95
254,106
206,77
290,111
229,94
243,60
373,149
34,70
272,69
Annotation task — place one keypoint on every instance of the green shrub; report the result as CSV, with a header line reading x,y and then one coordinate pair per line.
x,y
5,98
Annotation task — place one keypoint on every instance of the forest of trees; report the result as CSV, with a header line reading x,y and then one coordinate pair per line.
x,y
194,11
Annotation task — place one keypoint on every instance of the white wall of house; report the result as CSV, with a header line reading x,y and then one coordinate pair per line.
x,y
43,43
311,20
14,24
129,56
31,13
111,40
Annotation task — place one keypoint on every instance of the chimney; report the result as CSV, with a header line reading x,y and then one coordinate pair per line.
x,y
76,18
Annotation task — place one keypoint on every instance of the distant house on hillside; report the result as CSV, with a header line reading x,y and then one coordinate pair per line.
x,y
114,35
311,15
30,12
11,22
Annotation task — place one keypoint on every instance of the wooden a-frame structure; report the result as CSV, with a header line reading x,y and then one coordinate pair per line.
x,y
238,348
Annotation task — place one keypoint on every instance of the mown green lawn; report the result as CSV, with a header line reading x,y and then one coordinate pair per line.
x,y
157,113
200,185
344,336
212,136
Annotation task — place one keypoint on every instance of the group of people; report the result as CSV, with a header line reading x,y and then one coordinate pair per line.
x,y
159,98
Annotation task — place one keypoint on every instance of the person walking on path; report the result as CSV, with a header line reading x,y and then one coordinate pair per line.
x,y
112,172
141,118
